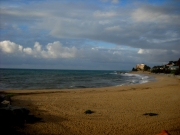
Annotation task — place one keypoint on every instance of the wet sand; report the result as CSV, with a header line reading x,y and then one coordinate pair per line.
x,y
117,110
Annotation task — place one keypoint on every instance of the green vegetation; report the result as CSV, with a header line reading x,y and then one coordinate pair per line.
x,y
134,69
146,68
177,72
10,95
157,69
173,67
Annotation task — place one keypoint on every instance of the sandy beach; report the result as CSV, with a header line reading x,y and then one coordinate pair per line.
x,y
117,110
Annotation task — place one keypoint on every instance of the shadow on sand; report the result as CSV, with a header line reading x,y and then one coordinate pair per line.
x,y
17,118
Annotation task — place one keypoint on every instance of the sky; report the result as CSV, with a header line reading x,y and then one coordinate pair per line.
x,y
88,34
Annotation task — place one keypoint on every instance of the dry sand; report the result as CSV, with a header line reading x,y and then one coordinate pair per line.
x,y
117,110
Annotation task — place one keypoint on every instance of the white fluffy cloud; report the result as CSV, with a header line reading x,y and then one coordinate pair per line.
x,y
28,51
152,51
10,47
52,50
57,50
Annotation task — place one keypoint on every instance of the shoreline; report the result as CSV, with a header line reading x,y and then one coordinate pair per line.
x,y
62,89
56,81
33,91
117,109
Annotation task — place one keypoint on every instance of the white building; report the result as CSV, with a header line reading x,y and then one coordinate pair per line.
x,y
140,66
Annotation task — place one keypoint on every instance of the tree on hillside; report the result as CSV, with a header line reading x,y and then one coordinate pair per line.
x,y
146,68
134,69
178,63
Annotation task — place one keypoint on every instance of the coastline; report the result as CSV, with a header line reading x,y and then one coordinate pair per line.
x,y
66,79
117,109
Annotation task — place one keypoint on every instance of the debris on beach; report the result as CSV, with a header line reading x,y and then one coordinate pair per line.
x,y
88,112
150,114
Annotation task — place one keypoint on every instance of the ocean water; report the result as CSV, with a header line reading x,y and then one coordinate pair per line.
x,y
18,79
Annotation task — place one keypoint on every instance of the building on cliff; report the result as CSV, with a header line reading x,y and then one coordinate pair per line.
x,y
140,66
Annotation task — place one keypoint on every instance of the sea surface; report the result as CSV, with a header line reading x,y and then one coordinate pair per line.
x,y
18,79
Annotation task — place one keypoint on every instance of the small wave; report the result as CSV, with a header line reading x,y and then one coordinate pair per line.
x,y
145,77
131,75
144,81
134,81
136,78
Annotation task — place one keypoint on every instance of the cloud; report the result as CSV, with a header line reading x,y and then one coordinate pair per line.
x,y
96,55
52,50
159,55
10,47
156,14
140,26
114,28
112,1
143,51
105,14
57,50
28,51
151,51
